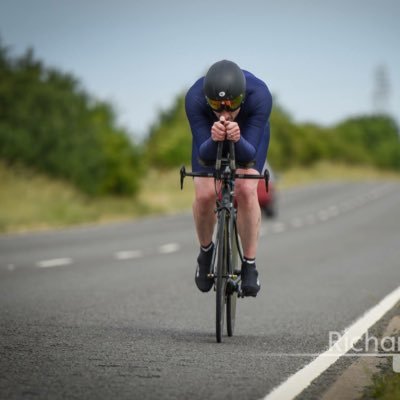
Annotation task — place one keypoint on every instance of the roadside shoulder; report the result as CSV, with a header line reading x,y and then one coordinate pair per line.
x,y
353,378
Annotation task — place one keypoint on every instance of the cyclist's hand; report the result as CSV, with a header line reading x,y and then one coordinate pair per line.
x,y
232,131
218,130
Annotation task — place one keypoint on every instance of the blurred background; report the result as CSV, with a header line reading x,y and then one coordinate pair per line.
x,y
92,121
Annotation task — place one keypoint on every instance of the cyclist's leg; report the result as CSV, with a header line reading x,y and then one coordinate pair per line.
x,y
249,213
249,220
204,217
203,209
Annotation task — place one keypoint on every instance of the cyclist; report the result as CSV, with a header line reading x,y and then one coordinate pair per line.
x,y
228,104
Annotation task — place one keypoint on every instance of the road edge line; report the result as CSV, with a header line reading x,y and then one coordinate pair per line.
x,y
299,381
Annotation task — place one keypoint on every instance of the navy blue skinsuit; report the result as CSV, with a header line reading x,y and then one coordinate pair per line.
x,y
253,120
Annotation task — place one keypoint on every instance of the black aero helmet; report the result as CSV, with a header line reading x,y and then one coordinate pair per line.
x,y
224,86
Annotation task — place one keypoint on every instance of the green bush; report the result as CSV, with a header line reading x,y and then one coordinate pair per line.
x,y
370,140
48,122
170,140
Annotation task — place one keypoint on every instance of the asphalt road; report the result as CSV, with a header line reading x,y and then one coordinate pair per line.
x,y
112,311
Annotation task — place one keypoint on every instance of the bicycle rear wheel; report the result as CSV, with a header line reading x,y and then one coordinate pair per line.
x,y
221,272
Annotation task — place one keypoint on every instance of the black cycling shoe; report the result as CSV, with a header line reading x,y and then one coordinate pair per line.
x,y
250,283
203,282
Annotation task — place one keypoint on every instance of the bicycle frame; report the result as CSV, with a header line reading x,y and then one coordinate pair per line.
x,y
228,218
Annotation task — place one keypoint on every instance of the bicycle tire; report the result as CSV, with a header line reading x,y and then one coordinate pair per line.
x,y
221,271
232,297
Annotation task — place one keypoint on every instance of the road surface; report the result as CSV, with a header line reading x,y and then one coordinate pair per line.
x,y
112,311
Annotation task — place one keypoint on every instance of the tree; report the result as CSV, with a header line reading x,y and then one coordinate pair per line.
x,y
47,121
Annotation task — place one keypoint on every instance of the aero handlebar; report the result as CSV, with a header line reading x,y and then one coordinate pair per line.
x,y
216,174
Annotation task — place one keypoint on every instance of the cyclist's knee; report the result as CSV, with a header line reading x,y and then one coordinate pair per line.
x,y
246,191
205,198
204,192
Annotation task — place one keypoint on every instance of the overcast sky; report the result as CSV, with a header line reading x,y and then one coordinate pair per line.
x,y
318,57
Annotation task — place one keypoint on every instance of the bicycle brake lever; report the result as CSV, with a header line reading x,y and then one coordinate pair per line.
x,y
266,178
183,174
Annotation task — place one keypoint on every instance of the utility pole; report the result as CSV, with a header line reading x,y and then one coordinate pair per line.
x,y
381,91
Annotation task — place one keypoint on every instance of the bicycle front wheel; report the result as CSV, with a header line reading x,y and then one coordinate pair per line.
x,y
221,275
231,297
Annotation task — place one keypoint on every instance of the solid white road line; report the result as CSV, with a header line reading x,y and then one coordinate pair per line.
x,y
169,248
296,383
55,262
128,254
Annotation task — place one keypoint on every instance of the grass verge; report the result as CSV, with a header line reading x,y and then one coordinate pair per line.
x,y
31,201
385,386
328,172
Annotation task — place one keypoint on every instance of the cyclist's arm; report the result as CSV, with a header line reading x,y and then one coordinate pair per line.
x,y
200,124
254,127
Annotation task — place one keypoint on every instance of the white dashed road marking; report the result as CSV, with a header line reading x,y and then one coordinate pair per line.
x,y
323,215
345,206
128,254
297,222
326,214
55,262
333,211
278,227
310,219
169,248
